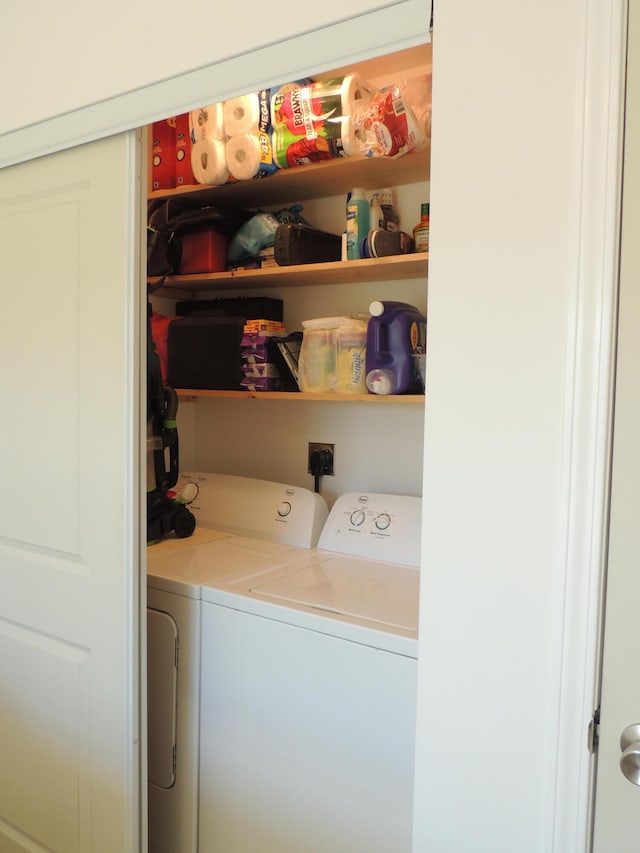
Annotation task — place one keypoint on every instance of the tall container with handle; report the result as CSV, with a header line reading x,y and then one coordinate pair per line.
x,y
396,346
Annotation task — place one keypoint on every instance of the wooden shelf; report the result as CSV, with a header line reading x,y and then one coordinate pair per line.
x,y
190,394
390,268
332,177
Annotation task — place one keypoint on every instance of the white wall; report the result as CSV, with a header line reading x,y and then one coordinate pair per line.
x,y
65,55
518,285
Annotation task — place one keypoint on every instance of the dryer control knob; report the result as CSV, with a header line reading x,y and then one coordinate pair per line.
x,y
357,517
383,521
189,493
284,509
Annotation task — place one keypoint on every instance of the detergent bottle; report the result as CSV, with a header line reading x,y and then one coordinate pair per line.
x,y
396,343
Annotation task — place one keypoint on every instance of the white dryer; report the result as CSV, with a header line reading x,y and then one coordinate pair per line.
x,y
245,527
308,714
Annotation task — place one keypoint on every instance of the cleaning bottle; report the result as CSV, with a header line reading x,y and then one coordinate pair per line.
x,y
357,222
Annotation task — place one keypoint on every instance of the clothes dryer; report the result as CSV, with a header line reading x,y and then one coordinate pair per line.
x,y
245,527
308,717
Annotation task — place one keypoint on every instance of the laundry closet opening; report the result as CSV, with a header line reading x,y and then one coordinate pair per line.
x,y
282,631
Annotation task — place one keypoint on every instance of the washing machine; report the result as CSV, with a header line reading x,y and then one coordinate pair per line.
x,y
245,527
308,707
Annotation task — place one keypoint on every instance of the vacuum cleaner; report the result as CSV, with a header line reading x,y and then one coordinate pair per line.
x,y
164,514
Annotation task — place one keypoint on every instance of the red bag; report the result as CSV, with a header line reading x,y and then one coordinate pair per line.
x,y
160,332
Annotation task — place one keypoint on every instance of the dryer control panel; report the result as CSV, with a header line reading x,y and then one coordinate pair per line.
x,y
273,512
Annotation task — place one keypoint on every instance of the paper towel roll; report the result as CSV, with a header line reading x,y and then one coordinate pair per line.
x,y
349,137
250,156
353,92
207,123
209,162
242,115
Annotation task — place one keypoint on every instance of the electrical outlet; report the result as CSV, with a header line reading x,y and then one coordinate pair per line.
x,y
327,451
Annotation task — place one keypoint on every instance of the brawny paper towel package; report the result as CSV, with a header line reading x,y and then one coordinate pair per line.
x,y
313,122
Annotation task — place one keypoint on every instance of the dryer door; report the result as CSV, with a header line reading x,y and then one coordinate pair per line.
x,y
162,656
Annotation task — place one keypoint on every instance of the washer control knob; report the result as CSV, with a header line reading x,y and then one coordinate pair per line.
x,y
284,509
383,521
357,517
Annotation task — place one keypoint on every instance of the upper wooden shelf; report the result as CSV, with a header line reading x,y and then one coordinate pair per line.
x,y
316,180
394,267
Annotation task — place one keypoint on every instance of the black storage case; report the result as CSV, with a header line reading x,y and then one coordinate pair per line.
x,y
204,352
295,243
249,307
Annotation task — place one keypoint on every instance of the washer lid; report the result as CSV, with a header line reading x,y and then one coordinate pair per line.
x,y
383,593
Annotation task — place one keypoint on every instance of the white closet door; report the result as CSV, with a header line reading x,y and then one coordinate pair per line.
x,y
69,720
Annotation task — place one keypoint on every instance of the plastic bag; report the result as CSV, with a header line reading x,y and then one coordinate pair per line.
x,y
397,119
259,232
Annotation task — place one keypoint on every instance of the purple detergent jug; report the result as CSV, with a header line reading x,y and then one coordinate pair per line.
x,y
396,345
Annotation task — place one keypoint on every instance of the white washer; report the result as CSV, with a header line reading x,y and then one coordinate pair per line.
x,y
245,528
308,716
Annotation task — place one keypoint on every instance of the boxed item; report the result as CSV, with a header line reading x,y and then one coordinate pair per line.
x,y
250,307
265,368
204,352
254,383
184,172
204,250
163,154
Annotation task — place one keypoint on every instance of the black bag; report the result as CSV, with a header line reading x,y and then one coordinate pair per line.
x,y
167,219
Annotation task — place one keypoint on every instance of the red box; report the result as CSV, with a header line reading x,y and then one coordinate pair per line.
x,y
203,251
184,173
163,154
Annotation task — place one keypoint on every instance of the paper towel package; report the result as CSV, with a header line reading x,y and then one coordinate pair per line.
x,y
248,125
207,123
209,162
312,123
